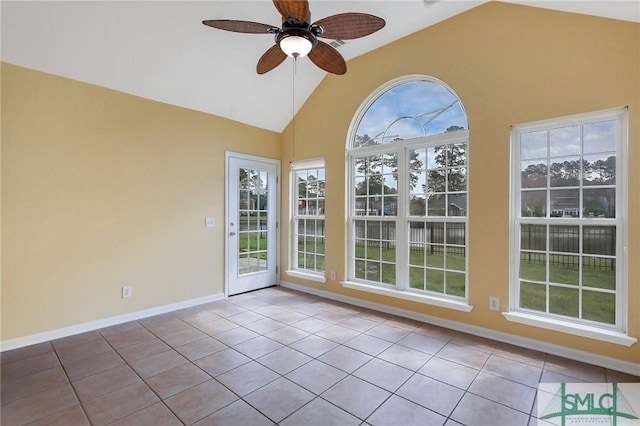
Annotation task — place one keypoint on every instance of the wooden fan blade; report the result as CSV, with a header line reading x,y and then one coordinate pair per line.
x,y
298,9
271,59
347,26
328,58
239,26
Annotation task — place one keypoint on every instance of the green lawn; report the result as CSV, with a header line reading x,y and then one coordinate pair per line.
x,y
253,242
596,305
426,272
311,253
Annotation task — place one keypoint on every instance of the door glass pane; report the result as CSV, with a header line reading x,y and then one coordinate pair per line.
x,y
252,221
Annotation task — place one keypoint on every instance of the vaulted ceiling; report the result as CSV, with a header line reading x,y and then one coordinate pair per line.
x,y
161,51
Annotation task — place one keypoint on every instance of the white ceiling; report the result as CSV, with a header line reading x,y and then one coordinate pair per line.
x,y
160,50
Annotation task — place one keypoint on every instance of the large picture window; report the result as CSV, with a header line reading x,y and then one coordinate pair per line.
x,y
408,170
568,214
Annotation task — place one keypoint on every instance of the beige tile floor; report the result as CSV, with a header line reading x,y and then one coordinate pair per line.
x,y
277,356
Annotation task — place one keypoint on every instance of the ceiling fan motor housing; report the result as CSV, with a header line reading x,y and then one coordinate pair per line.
x,y
303,32
297,32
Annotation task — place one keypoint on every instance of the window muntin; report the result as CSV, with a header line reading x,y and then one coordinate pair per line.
x,y
567,204
308,247
408,210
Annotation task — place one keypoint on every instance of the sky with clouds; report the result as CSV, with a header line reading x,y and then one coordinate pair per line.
x,y
565,141
406,111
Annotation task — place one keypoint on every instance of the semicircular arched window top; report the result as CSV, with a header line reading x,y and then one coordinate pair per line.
x,y
410,109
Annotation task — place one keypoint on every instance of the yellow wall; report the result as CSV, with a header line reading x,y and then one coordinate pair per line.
x,y
509,64
102,189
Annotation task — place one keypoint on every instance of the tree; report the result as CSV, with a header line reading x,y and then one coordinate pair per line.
x,y
415,168
453,129
448,157
363,140
417,206
566,173
534,176
601,171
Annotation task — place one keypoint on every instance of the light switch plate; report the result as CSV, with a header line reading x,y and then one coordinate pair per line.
x,y
209,222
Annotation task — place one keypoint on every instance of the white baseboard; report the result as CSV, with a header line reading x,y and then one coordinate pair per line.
x,y
107,322
525,342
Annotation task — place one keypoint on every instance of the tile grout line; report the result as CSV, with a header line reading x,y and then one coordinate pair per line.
x,y
70,383
300,306
138,374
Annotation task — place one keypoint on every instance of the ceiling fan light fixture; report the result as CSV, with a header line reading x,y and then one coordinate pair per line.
x,y
296,45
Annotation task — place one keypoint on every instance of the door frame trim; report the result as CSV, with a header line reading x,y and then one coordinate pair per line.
x,y
227,156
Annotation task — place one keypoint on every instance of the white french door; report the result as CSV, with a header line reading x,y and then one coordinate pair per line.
x,y
252,197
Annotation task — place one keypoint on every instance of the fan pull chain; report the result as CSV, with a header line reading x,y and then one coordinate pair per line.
x,y
293,108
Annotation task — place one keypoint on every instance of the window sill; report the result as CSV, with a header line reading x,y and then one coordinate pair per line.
x,y
610,336
306,275
414,297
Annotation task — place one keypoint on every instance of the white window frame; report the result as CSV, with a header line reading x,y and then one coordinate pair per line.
x,y
613,333
401,289
294,270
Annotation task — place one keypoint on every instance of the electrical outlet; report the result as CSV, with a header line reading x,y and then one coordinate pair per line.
x,y
494,303
126,291
333,275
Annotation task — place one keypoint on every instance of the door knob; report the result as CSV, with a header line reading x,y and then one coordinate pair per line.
x,y
232,234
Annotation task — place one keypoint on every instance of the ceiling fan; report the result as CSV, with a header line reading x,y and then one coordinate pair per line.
x,y
298,37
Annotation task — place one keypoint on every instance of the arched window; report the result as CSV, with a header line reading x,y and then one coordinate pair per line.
x,y
408,174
